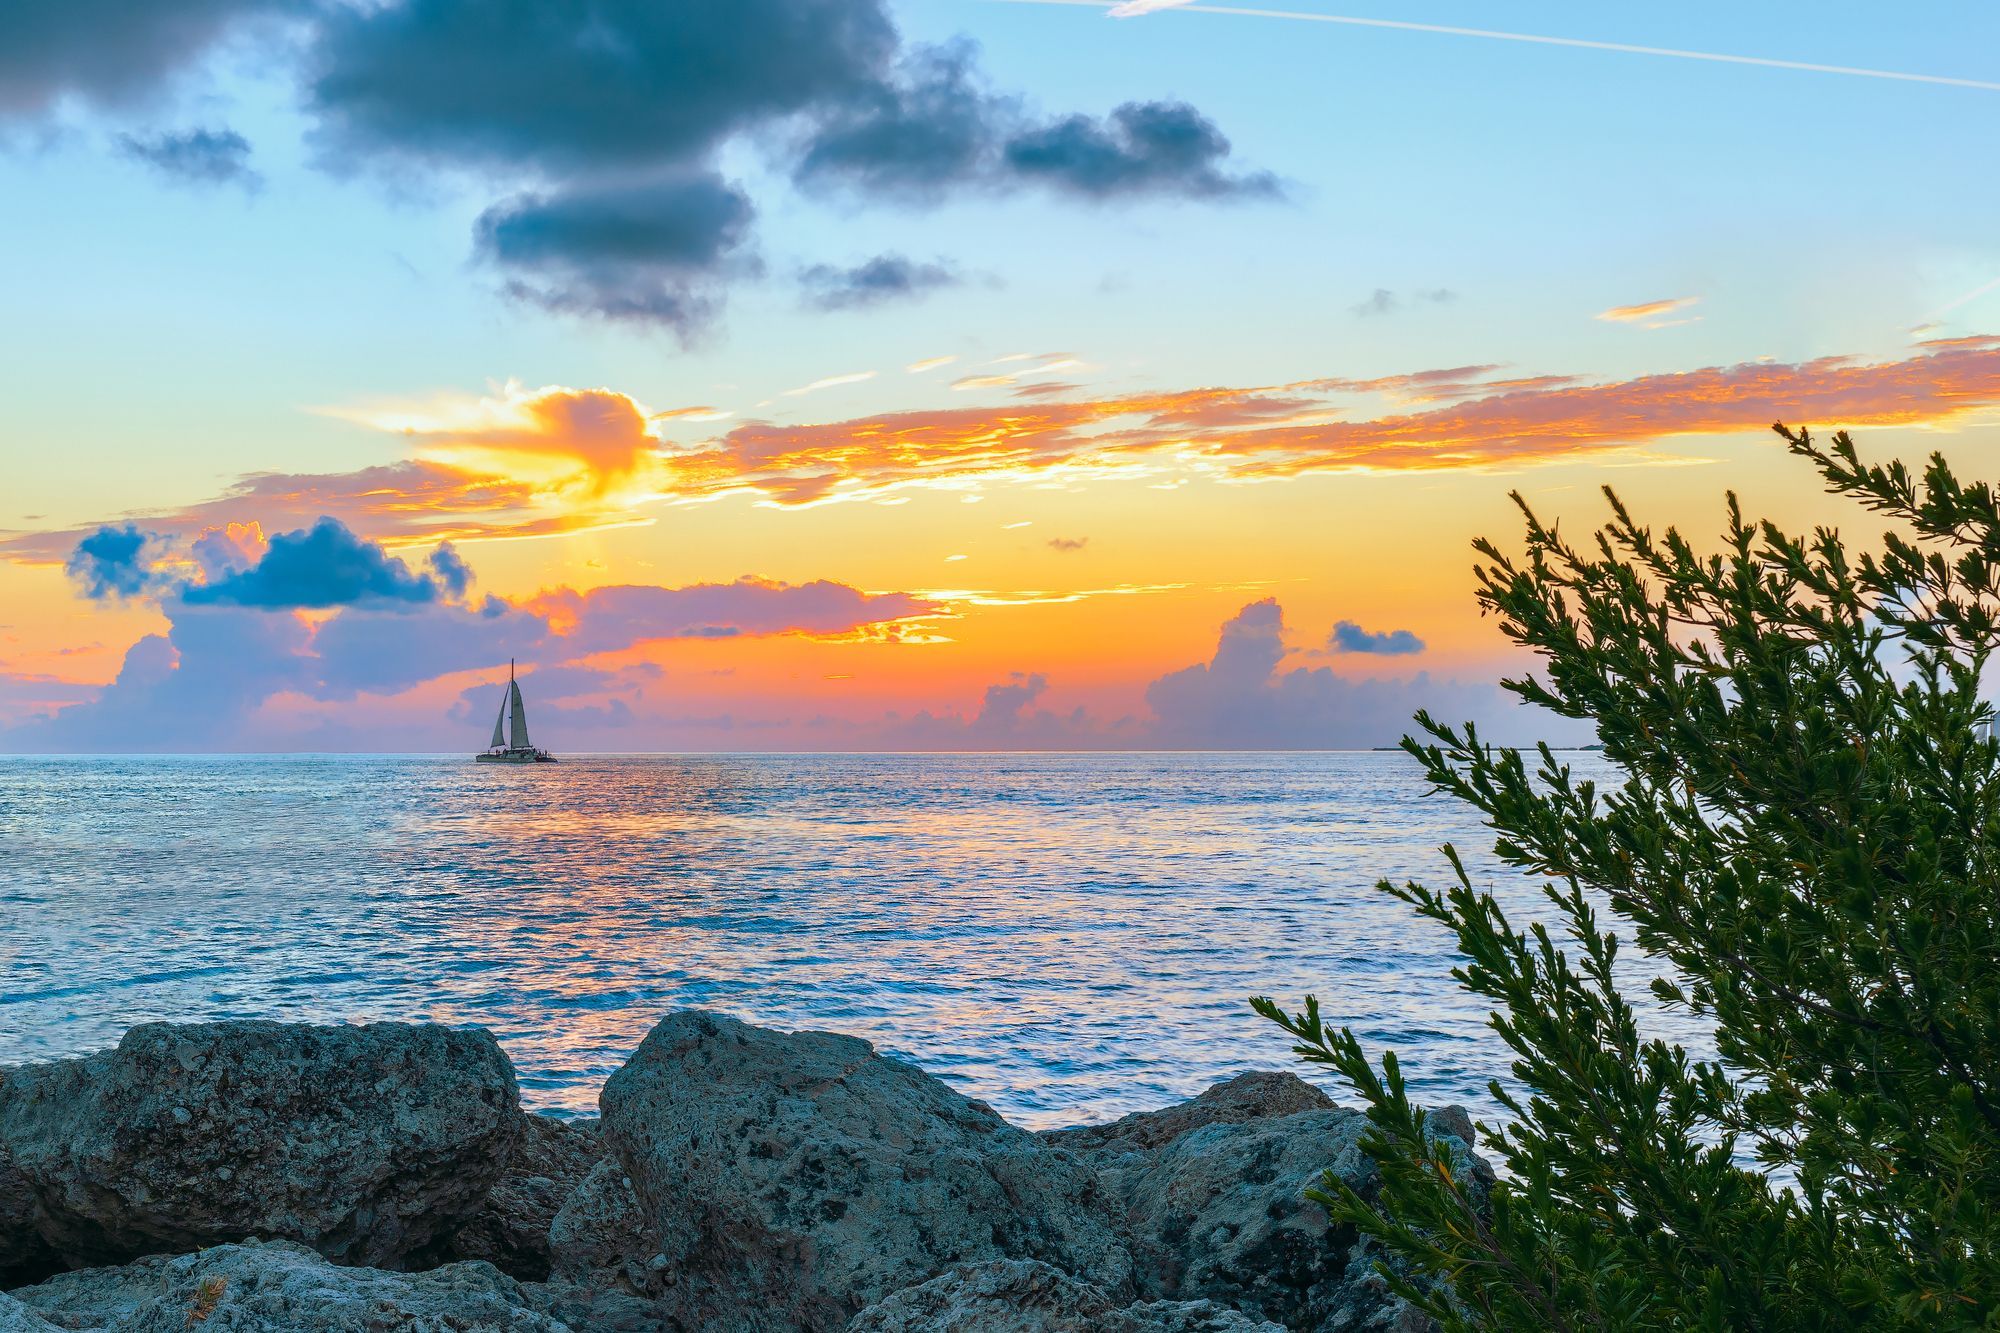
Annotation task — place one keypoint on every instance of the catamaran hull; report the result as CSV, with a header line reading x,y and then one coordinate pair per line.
x,y
513,759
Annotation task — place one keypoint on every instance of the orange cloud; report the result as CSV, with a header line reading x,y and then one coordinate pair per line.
x,y
554,434
1298,428
400,504
1646,310
1465,417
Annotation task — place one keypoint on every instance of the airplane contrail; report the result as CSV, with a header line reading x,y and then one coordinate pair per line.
x,y
1136,8
1966,299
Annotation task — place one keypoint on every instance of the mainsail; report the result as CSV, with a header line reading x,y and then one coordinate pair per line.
x,y
517,719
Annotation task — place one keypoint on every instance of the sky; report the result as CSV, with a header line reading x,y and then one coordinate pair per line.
x,y
926,374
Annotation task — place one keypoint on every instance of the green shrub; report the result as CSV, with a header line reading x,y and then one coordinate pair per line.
x,y
1804,844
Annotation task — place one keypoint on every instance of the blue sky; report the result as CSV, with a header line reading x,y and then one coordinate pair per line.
x,y
163,337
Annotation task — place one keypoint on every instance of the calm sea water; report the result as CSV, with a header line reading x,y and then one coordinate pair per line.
x,y
1068,937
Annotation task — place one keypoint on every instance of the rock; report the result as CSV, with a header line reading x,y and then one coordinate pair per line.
x,y
97,1297
366,1143
280,1287
549,1160
18,1318
24,1256
1224,1211
790,1179
597,1310
601,1237
1027,1296
1251,1096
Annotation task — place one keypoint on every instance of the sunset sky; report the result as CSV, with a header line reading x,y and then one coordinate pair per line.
x,y
918,374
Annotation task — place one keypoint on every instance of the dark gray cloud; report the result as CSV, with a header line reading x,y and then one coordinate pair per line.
x,y
322,566
930,127
1068,545
112,562
600,101
881,279
1159,148
1348,637
199,157
934,127
651,252
108,51
584,86
606,119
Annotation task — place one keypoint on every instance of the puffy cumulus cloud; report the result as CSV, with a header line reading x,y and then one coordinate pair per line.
x,y
879,280
650,252
1348,637
323,566
323,616
113,562
1140,148
221,551
109,51
1239,699
196,157
194,688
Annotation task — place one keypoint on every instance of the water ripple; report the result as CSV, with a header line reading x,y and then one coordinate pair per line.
x,y
1068,937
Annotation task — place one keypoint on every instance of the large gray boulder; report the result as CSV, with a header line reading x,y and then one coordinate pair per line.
x,y
1220,1213
1028,1296
550,1159
280,1287
367,1143
1256,1095
790,1179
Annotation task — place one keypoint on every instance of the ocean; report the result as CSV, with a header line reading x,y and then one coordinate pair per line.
x,y
1068,937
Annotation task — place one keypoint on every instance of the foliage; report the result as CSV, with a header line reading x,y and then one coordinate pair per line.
x,y
1803,847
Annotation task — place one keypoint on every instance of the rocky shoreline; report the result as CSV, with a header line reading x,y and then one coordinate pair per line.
x,y
266,1176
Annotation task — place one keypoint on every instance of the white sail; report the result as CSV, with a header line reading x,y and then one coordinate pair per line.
x,y
517,721
499,720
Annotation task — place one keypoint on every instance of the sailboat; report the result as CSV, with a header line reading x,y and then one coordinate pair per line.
x,y
510,743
